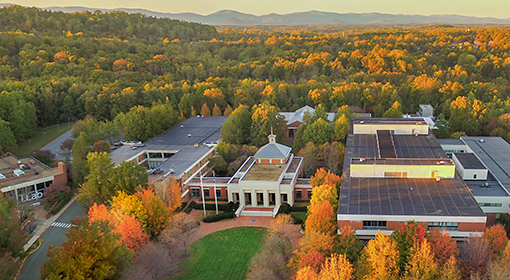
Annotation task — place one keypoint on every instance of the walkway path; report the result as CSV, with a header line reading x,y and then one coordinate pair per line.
x,y
208,228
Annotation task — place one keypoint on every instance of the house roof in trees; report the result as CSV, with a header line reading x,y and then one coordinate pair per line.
x,y
405,197
297,116
185,144
494,152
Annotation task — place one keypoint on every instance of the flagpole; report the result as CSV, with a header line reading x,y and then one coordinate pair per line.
x,y
202,187
215,196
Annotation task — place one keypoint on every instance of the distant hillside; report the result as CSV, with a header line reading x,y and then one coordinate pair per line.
x,y
229,17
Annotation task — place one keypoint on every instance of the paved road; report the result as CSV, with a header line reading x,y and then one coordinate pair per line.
x,y
54,146
55,235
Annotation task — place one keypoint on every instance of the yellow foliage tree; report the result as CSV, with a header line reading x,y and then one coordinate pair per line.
x,y
421,263
306,273
324,193
337,267
129,205
380,256
321,218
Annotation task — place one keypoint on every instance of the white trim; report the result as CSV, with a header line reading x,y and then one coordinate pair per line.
x,y
452,233
27,184
401,218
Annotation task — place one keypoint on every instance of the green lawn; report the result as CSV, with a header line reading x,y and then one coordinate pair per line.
x,y
223,255
42,137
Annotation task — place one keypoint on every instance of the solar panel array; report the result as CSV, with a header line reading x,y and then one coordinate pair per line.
x,y
385,144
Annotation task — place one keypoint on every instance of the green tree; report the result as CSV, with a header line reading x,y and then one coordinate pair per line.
x,y
7,139
11,239
128,177
394,112
92,251
80,166
237,127
318,132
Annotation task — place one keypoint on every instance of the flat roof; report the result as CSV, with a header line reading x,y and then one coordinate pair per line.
x,y
489,187
33,168
180,138
451,142
393,121
407,197
469,161
403,196
494,152
401,161
264,172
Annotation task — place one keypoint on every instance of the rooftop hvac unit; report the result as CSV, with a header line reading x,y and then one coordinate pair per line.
x,y
482,140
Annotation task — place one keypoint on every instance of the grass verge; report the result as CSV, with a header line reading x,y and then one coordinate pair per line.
x,y
223,255
42,137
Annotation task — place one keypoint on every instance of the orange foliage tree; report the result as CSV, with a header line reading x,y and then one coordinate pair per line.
x,y
497,239
169,191
306,273
157,212
323,177
324,193
321,218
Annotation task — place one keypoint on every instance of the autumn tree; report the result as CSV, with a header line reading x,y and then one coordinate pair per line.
x,y
102,146
324,193
157,212
205,111
178,232
264,120
421,264
168,189
379,259
442,245
323,177
312,242
270,262
152,261
216,110
405,237
395,111
348,244
497,239
321,218
92,251
473,257
337,267
306,273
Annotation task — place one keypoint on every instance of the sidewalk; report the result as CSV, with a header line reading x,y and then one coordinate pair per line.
x,y
42,226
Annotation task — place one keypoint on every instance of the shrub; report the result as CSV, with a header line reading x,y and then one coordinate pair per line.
x,y
60,204
300,208
284,209
219,217
231,207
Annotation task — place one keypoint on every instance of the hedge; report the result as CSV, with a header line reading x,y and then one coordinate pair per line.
x,y
61,204
286,208
219,217
230,207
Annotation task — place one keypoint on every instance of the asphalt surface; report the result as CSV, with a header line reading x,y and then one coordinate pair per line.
x,y
54,235
54,146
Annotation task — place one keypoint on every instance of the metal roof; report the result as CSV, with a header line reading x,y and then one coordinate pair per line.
x,y
494,152
181,139
275,150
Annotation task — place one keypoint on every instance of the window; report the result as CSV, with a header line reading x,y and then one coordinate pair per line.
x,y
490,204
206,192
374,224
474,176
218,193
195,192
447,225
309,193
298,194
395,174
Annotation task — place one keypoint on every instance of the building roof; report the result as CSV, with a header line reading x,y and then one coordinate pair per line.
x,y
451,142
469,161
402,196
179,139
494,152
407,197
489,187
275,150
393,121
297,116
33,170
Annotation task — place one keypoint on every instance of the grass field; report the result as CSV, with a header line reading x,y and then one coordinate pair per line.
x,y
42,137
223,255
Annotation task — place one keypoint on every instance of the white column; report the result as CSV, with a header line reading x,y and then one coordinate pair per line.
x,y
266,198
253,198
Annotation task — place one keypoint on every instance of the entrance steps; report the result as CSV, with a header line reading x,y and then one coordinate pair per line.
x,y
251,211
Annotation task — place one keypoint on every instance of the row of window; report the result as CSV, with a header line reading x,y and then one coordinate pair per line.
x,y
196,193
490,204
382,225
299,194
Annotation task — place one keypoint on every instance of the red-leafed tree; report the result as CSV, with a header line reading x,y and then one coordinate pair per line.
x,y
473,257
312,260
496,240
131,232
348,244
405,237
442,245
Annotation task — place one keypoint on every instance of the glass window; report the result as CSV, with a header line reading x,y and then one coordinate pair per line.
x,y
447,225
206,192
298,194
195,192
218,193
374,224
309,193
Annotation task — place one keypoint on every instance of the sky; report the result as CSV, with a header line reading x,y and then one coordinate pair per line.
x,y
479,8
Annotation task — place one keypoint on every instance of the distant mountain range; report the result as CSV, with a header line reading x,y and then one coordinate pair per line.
x,y
229,17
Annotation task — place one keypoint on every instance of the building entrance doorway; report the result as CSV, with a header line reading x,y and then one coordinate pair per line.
x,y
235,197
260,199
284,198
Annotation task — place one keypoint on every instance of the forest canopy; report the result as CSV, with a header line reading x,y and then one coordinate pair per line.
x,y
56,67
